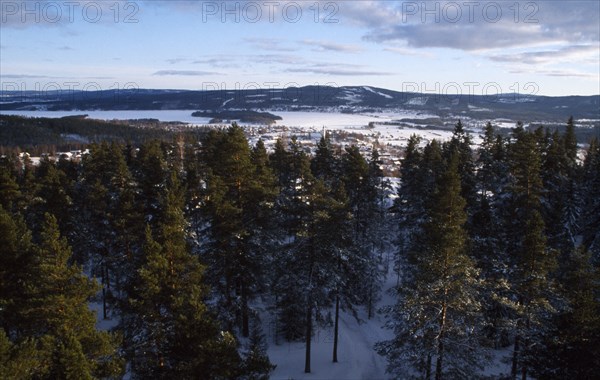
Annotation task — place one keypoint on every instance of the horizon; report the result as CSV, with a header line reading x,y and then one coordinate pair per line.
x,y
544,48
133,89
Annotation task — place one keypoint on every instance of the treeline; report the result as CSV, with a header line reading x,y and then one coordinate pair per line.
x,y
499,247
244,116
185,245
39,136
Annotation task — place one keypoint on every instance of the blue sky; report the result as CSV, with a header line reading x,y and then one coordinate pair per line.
x,y
529,47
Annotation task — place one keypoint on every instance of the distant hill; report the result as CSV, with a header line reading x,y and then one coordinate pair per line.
x,y
340,99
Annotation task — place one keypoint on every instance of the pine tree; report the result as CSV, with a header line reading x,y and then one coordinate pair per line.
x,y
240,191
460,145
487,238
571,346
318,244
10,194
420,173
570,141
56,312
323,163
169,328
23,359
16,259
293,215
150,170
53,195
590,200
439,297
108,226
531,261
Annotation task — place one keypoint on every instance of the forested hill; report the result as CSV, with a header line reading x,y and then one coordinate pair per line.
x,y
46,135
513,106
202,252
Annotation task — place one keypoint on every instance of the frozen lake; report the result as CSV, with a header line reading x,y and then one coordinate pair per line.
x,y
302,119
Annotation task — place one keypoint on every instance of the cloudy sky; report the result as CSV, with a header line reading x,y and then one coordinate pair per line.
x,y
529,47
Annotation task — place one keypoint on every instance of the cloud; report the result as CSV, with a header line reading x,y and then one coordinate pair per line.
x,y
555,73
272,44
25,76
184,73
336,72
220,61
286,59
36,76
173,61
409,52
568,53
332,46
478,26
239,61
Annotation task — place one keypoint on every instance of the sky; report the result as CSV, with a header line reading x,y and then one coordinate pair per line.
x,y
443,47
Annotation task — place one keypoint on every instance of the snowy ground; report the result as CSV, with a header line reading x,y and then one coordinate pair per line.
x,y
357,359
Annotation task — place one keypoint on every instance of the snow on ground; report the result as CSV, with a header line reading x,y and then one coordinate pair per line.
x,y
330,120
503,123
357,359
225,102
378,93
418,101
478,109
103,324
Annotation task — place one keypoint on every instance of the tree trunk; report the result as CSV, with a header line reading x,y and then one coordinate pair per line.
x,y
440,358
524,350
515,359
336,328
308,336
370,303
103,270
245,327
107,277
428,370
276,333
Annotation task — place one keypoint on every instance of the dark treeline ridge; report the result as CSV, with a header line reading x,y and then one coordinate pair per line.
x,y
244,116
48,135
186,243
